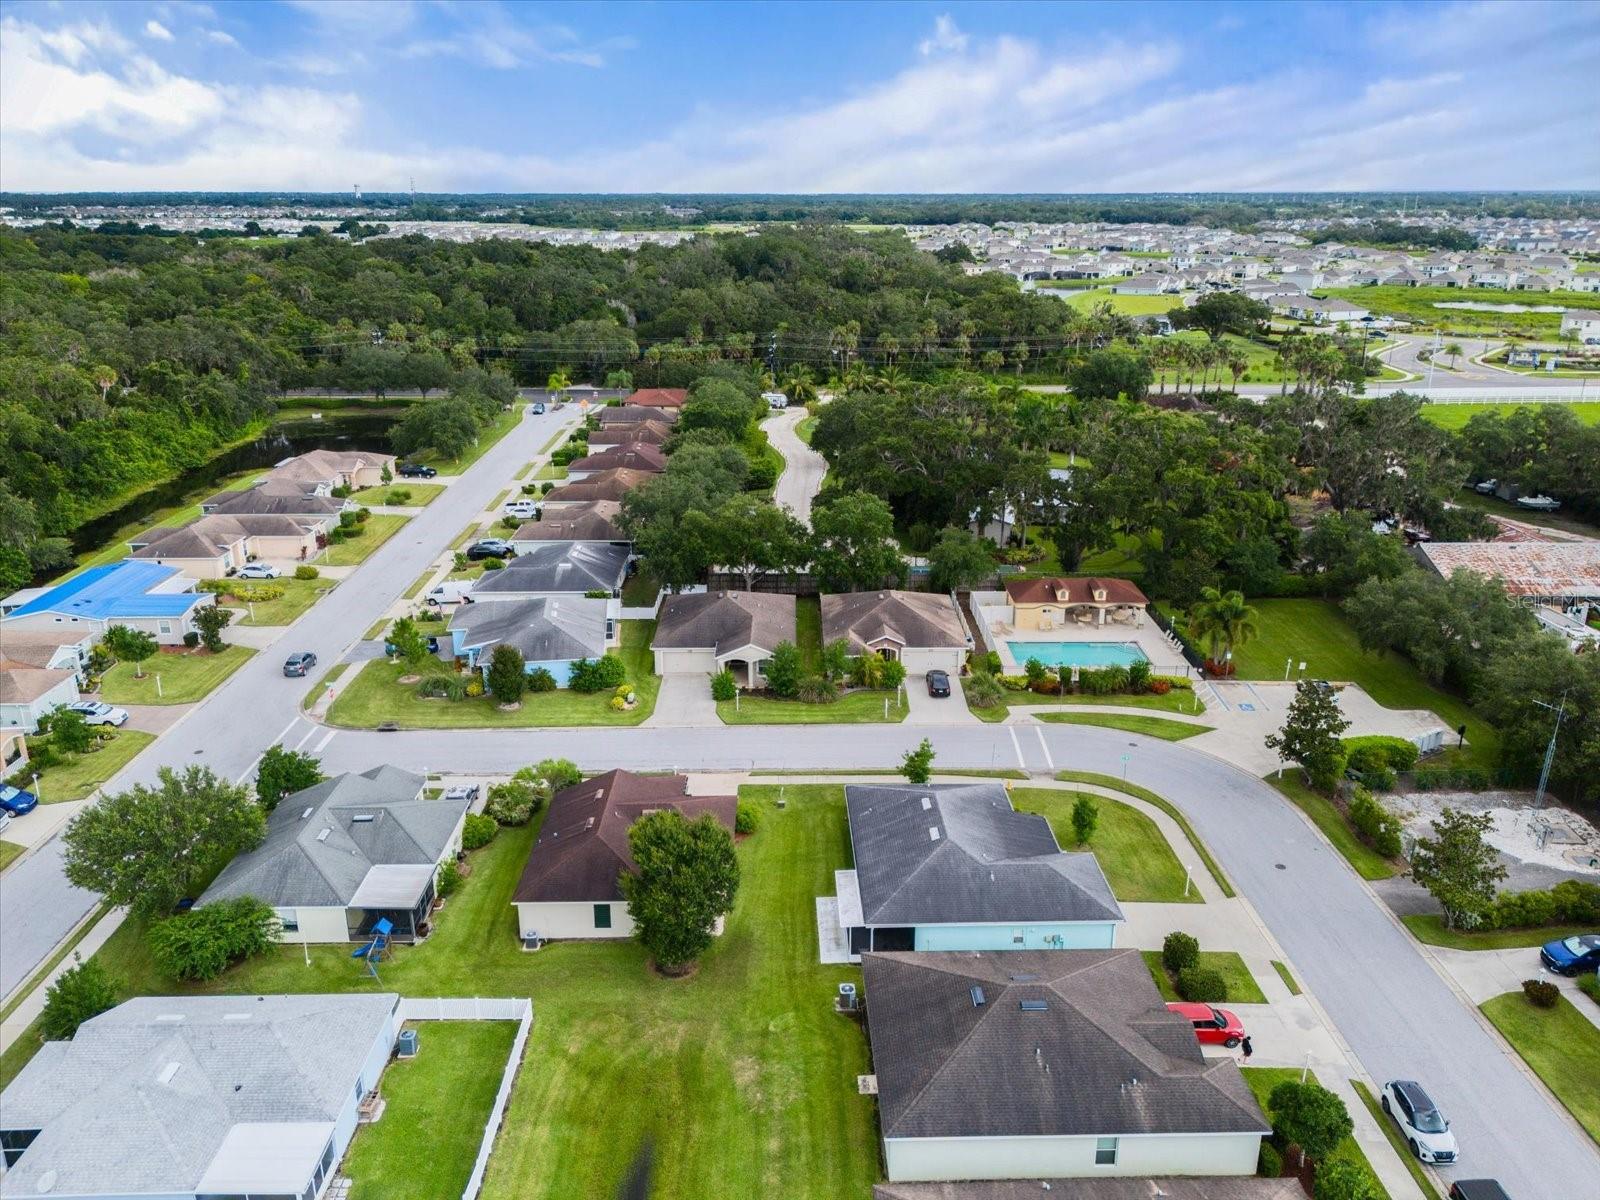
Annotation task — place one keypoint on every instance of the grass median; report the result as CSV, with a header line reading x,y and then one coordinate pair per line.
x,y
855,708
1156,727
1114,784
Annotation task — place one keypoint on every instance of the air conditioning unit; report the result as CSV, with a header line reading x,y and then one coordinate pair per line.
x,y
847,997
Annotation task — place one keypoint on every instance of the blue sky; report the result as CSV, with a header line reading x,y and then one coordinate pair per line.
x,y
811,97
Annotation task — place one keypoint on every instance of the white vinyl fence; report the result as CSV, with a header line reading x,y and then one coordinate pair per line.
x,y
1527,394
475,1008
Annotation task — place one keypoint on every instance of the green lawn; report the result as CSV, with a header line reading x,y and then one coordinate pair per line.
x,y
1315,632
375,697
1157,727
1179,700
1429,928
550,471
1165,805
805,429
1288,979
503,424
1242,987
1420,304
8,854
639,590
1419,1174
1329,818
855,708
749,1044
379,528
1134,306
422,494
808,632
1129,846
1496,507
456,1071
1263,1079
298,596
80,774
1455,416
1560,1044
186,676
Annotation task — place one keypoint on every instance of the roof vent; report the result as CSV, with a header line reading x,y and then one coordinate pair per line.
x,y
307,813
323,835
978,998
933,833
244,1016
168,1072
362,819
1024,978
170,1018
1033,1006
927,803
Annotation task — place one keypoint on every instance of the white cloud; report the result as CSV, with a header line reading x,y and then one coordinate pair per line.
x,y
221,37
946,37
156,30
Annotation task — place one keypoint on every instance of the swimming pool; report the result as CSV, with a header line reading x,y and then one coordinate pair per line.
x,y
1077,654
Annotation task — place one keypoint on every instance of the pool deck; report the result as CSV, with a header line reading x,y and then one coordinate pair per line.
x,y
1164,657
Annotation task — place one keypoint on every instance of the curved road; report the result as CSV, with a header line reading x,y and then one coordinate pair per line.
x,y
803,467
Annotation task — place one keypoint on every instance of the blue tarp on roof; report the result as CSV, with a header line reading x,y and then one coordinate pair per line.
x,y
114,590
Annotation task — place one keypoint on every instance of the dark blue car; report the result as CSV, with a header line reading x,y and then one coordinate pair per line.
x,y
16,801
1573,955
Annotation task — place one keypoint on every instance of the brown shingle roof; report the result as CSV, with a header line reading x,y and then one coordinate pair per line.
x,y
634,456
583,843
274,496
602,485
1074,589
207,536
1101,1057
659,397
653,433
22,684
592,521
915,619
633,414
724,621
28,649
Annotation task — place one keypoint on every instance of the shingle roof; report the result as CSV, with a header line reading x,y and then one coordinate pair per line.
x,y
276,496
120,589
113,1121
1554,569
1102,1057
988,863
633,456
544,629
37,648
325,464
659,397
300,866
583,843
593,521
1201,1187
1073,589
207,536
611,484
652,432
630,414
574,567
913,619
725,621
23,684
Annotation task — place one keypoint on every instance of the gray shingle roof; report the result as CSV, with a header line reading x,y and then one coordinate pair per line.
x,y
558,567
544,629
280,496
591,521
1103,1057
989,862
725,621
918,620
298,867
108,1123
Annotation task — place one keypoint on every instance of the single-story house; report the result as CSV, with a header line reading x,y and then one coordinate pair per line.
x,y
278,497
715,631
629,456
346,852
673,398
957,868
569,886
324,470
633,414
653,433
29,693
67,650
1044,604
216,545
1585,322
191,1097
159,600
1564,576
1148,285
924,630
1319,312
602,485
572,569
590,521
1201,1187
552,632
1045,1065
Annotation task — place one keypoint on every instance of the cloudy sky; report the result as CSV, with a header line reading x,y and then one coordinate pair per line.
x,y
808,97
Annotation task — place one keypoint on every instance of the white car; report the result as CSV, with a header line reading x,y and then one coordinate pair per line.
x,y
462,791
1420,1121
524,509
95,713
258,571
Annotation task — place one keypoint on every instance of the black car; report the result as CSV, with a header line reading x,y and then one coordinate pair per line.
x,y
299,664
938,683
490,548
1477,1189
417,471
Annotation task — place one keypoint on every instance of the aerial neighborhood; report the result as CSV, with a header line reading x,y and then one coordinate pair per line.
x,y
855,693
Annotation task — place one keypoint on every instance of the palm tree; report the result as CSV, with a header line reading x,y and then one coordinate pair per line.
x,y
1453,352
1237,363
798,385
890,379
1223,621
558,382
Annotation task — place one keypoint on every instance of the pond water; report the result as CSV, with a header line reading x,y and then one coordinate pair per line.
x,y
1481,306
359,431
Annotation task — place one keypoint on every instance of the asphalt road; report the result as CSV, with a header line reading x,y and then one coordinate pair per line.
x,y
231,727
803,467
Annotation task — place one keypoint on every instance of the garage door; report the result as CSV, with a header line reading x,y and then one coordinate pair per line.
x,y
920,662
683,662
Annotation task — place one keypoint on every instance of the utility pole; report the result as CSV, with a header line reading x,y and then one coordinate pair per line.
x,y
772,354
1550,750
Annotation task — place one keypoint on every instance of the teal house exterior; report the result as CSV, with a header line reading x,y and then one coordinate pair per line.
x,y
957,868
550,632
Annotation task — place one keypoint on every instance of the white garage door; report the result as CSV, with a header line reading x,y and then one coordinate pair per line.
x,y
683,662
920,662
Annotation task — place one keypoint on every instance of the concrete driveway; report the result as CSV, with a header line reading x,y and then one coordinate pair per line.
x,y
931,710
684,702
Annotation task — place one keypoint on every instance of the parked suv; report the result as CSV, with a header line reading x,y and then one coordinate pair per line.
x,y
299,664
527,510
490,548
417,471
94,712
1420,1121
259,571
1213,1026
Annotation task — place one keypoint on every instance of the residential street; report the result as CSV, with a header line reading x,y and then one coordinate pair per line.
x,y
803,467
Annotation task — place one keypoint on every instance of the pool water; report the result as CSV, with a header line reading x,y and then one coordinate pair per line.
x,y
1077,654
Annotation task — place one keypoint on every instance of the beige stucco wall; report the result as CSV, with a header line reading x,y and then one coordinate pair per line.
x,y
571,920
284,547
200,568
1068,1157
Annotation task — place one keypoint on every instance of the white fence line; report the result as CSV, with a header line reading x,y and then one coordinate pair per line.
x,y
477,1008
1503,395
